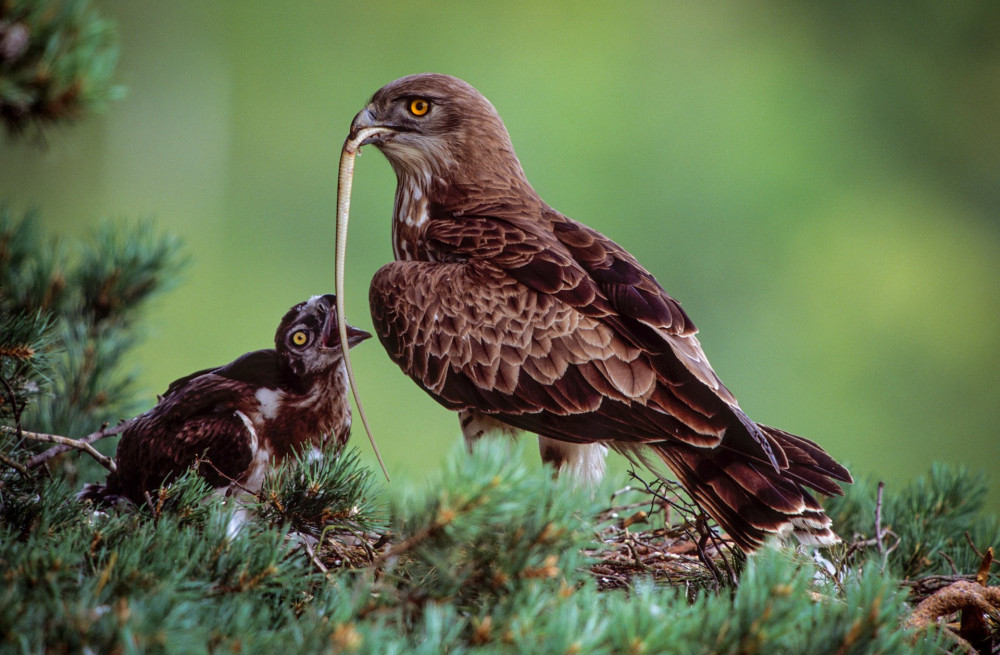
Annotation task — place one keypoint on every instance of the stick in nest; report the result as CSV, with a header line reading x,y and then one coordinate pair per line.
x,y
963,596
695,517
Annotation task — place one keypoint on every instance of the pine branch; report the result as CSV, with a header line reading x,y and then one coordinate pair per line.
x,y
926,520
441,520
315,494
62,343
13,403
79,324
17,466
76,444
57,60
24,360
174,571
103,433
31,267
121,267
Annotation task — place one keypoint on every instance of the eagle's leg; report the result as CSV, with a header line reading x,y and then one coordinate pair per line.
x,y
476,425
584,462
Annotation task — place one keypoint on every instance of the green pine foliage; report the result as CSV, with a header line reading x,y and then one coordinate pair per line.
x,y
68,314
171,577
492,555
929,523
24,358
460,544
316,496
109,278
57,60
28,284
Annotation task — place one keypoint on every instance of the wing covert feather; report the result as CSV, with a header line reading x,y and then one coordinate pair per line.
x,y
583,269
551,360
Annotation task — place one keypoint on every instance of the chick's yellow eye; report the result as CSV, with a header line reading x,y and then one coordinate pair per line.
x,y
419,106
300,338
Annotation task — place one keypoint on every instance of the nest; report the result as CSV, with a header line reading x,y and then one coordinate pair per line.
x,y
342,548
686,549
965,606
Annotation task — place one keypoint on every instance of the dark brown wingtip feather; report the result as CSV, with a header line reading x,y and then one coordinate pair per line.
x,y
808,454
754,502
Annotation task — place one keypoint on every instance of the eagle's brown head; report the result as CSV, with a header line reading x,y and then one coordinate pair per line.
x,y
438,129
451,153
306,339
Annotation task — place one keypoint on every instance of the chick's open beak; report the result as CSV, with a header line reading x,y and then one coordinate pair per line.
x,y
354,335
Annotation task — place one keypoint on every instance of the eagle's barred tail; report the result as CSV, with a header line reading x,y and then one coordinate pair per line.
x,y
751,500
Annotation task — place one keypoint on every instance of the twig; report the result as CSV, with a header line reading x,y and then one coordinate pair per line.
x,y
362,538
232,481
951,562
973,545
103,433
705,532
103,460
630,546
734,556
443,518
694,514
13,406
150,505
685,509
17,423
312,556
879,534
407,544
624,490
14,465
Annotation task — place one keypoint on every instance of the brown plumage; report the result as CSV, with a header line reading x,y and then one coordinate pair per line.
x,y
241,419
502,308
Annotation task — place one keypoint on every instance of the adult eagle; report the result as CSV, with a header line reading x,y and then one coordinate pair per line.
x,y
518,317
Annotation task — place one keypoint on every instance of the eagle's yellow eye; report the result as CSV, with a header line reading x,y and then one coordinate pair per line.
x,y
300,338
419,106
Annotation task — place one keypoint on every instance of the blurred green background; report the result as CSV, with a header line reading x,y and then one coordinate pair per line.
x,y
818,183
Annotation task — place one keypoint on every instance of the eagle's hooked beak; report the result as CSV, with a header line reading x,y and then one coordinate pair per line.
x,y
366,129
